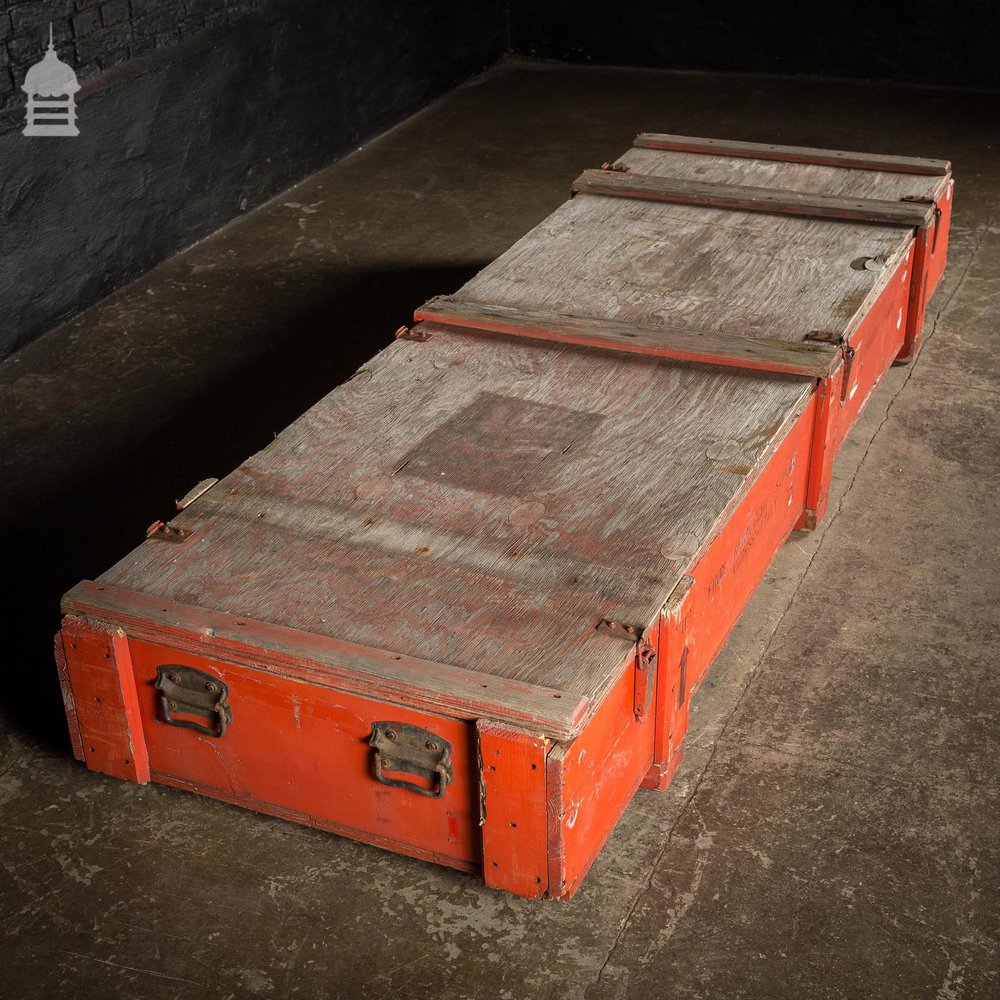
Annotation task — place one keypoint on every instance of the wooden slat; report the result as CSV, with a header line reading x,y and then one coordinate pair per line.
x,y
753,199
320,660
794,154
814,360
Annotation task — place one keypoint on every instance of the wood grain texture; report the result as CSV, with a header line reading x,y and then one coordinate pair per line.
x,y
483,503
740,274
323,661
803,177
504,570
752,199
814,360
793,154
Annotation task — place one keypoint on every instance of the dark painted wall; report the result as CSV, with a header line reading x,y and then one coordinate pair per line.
x,y
94,36
921,41
176,142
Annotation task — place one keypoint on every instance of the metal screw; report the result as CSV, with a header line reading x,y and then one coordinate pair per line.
x,y
390,734
431,745
172,704
210,687
174,678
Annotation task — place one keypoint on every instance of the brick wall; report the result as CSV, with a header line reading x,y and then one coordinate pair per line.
x,y
94,36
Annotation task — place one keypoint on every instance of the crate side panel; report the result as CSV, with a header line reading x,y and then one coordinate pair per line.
x,y
727,574
876,343
304,749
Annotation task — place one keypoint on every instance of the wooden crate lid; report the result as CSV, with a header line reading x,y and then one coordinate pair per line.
x,y
834,173
478,503
474,505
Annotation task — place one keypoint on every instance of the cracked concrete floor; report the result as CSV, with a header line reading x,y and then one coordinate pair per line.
x,y
834,829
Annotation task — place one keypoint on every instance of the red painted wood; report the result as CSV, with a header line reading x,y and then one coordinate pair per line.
x,y
820,452
877,342
130,704
230,797
930,255
917,298
111,736
939,239
671,698
536,791
929,258
513,809
302,749
314,658
699,617
69,701
593,778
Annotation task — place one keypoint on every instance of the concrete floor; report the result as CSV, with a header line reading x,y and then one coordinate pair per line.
x,y
834,829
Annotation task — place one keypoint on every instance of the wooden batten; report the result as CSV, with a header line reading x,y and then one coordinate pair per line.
x,y
813,360
793,154
753,199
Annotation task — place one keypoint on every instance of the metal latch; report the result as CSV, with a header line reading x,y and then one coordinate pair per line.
x,y
398,746
645,673
645,663
187,691
846,351
921,200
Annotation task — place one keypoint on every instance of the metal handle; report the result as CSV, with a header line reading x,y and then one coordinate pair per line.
x,y
188,691
432,793
399,746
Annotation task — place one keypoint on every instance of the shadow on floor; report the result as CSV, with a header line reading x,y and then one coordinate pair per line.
x,y
108,491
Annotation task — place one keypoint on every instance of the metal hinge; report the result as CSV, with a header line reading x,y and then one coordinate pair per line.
x,y
166,532
847,352
644,662
413,333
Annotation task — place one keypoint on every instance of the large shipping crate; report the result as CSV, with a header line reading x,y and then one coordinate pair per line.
x,y
459,608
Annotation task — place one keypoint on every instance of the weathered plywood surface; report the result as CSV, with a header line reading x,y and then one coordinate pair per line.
x,y
743,197
484,501
794,154
742,274
804,178
480,502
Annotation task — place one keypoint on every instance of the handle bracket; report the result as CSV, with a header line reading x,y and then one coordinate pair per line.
x,y
398,746
187,691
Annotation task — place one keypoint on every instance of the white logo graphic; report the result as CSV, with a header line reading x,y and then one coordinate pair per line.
x,y
50,86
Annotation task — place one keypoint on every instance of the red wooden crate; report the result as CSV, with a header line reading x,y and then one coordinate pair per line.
x,y
459,608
